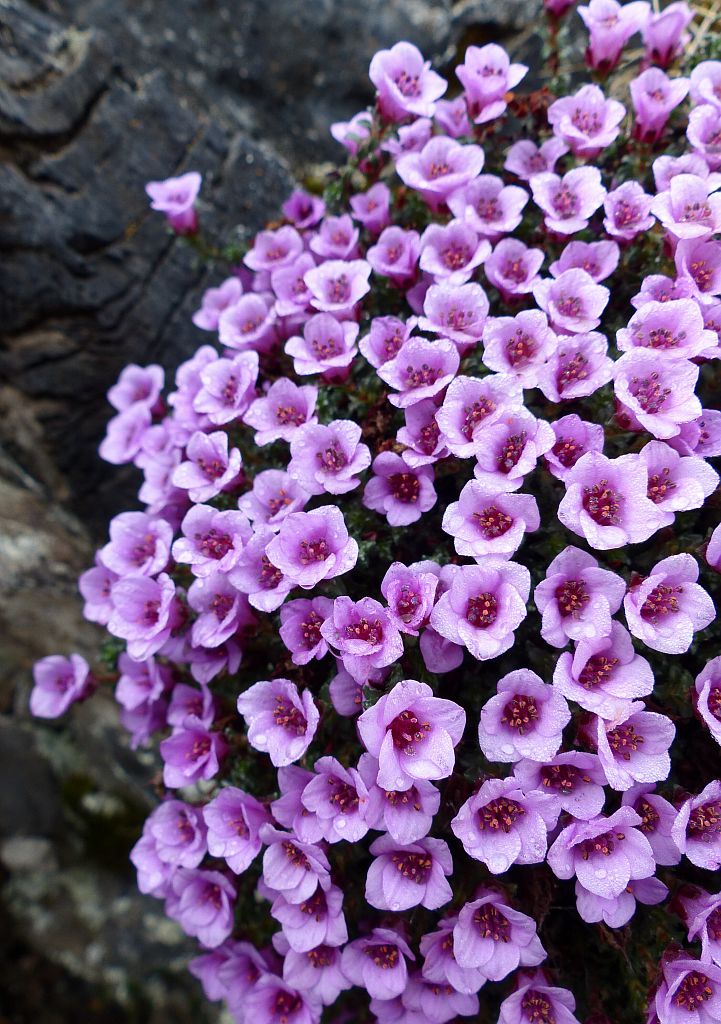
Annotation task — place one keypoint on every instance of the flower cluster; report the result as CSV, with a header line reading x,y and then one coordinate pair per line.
x,y
419,533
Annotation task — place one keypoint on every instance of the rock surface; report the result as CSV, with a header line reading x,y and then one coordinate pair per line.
x,y
96,98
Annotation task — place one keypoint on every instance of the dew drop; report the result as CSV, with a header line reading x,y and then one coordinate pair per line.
x,y
341,824
600,873
395,906
507,748
261,739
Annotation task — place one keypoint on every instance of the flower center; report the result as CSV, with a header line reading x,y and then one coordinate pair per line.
x,y
624,741
659,484
649,392
313,551
287,414
488,209
649,816
572,597
500,814
332,459
568,451
660,602
325,348
511,452
696,212
222,605
705,821
416,867
438,170
297,858
276,504
596,671
515,270
310,628
482,610
339,289
422,376
561,777
214,544
285,1004
315,906
572,370
405,487
475,414
407,84
368,632
343,796
269,576
602,503
569,305
537,1008
603,844
714,702
456,256
384,956
565,203
520,713
625,213
521,346
586,121
288,717
211,469
408,603
407,730
694,990
428,437
492,924
492,522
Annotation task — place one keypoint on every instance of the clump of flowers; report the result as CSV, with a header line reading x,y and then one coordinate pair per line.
x,y
420,604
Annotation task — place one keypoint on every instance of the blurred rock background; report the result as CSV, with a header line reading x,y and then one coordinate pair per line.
x,y
96,98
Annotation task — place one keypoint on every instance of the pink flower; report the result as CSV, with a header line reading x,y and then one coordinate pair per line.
x,y
327,346
420,370
611,25
525,718
659,395
440,168
408,876
664,33
573,301
669,607
525,158
489,206
337,285
175,197
399,492
281,721
452,252
587,122
486,76
518,345
59,682
405,83
501,825
513,268
654,95
628,211
634,747
568,202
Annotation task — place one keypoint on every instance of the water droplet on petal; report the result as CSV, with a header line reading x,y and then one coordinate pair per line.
x,y
341,824
497,865
507,748
399,783
600,873
395,906
261,739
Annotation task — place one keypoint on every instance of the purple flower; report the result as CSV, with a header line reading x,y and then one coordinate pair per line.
x,y
457,312
316,973
452,117
422,435
663,33
668,607
513,269
486,76
288,810
440,965
179,833
215,301
272,1000
699,261
703,915
293,868
273,249
610,26
604,674
313,546
713,550
383,341
708,696
372,208
657,288
577,598
257,576
336,795
175,197
408,876
501,825
665,168
212,541
290,289
405,814
300,628
579,366
606,502
686,209
395,255
420,370
336,239
598,259
405,83
518,345
535,999
574,437
470,405
412,733
627,211
188,701
452,252
494,938
228,388
59,682
281,722
316,921
688,987
618,910
675,329
234,819
203,905
525,718
363,634
486,520
192,752
440,168
525,158
303,209
337,285
137,385
410,592
587,122
483,606
634,746
210,467
489,206
697,829
605,854
511,449
354,132
125,434
377,963
409,138
568,201
654,95
240,973
573,301
657,820
574,780
274,496
327,346
425,1001
141,693
399,492
249,323
95,585
222,611
144,613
